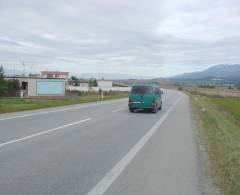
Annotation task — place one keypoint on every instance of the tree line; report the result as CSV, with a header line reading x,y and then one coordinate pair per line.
x,y
8,88
91,82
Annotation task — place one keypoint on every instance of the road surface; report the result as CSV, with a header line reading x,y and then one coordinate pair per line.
x,y
101,148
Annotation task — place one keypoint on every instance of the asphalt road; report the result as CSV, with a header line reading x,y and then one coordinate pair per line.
x,y
101,148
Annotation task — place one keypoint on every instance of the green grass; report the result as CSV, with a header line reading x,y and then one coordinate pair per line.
x,y
17,104
230,106
218,119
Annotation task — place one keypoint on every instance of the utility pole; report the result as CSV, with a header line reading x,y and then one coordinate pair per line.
x,y
23,64
14,70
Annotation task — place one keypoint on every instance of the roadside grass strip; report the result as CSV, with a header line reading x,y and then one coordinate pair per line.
x,y
220,132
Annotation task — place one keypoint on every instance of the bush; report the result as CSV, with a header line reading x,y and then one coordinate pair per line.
x,y
180,88
207,86
3,87
9,88
13,88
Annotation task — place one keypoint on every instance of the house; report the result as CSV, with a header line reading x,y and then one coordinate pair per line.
x,y
55,74
41,87
104,83
78,82
83,84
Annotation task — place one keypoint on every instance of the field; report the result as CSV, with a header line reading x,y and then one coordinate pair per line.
x,y
219,123
17,104
218,91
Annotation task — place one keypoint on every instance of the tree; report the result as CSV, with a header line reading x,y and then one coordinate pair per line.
x,y
74,78
3,83
13,87
90,84
95,83
8,87
1,71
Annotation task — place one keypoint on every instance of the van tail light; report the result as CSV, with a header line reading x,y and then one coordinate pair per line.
x,y
129,102
154,104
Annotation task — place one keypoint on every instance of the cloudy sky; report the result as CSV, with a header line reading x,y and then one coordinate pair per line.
x,y
155,38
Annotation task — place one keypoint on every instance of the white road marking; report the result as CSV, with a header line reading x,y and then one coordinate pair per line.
x,y
118,110
43,132
52,111
112,175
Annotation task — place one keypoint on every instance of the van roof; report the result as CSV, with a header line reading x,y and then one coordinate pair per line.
x,y
146,84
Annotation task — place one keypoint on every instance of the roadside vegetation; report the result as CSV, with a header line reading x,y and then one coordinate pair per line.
x,y
219,123
7,87
214,91
18,104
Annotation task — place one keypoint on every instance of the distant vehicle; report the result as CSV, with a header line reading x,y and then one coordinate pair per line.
x,y
145,97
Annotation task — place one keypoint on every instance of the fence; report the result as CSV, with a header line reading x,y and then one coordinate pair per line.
x,y
78,88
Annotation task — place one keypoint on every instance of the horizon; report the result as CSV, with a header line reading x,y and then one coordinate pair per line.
x,y
112,76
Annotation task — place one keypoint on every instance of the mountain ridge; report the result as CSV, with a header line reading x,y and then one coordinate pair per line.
x,y
224,72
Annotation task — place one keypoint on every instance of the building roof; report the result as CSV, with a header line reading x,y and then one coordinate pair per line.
x,y
55,72
37,78
145,84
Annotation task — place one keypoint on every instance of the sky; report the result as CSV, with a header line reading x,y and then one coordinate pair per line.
x,y
151,38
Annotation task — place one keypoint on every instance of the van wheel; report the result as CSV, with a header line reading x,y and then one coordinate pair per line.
x,y
160,107
131,109
155,110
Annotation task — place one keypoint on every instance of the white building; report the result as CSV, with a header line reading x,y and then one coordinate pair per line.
x,y
104,83
83,84
41,87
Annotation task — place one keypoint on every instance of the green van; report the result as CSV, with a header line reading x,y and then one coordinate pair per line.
x,y
145,97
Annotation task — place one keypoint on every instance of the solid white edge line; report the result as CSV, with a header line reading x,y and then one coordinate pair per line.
x,y
59,110
40,113
42,132
113,174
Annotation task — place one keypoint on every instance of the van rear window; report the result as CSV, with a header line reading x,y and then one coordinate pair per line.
x,y
142,89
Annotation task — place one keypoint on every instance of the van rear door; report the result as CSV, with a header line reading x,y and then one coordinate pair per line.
x,y
142,96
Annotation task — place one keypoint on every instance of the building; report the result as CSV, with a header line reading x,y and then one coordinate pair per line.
x,y
78,82
104,83
83,84
41,87
55,75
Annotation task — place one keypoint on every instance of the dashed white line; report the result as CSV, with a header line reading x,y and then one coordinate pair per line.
x,y
59,110
43,132
112,175
118,110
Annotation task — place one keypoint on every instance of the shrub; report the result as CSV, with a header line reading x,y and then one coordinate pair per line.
x,y
207,86
180,88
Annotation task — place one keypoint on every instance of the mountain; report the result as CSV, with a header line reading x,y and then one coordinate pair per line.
x,y
224,72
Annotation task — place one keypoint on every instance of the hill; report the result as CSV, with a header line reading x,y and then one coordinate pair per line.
x,y
223,73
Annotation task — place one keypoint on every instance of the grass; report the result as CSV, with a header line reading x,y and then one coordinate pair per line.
x,y
218,119
216,91
230,106
17,104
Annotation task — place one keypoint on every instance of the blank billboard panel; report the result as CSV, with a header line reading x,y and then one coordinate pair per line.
x,y
50,87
